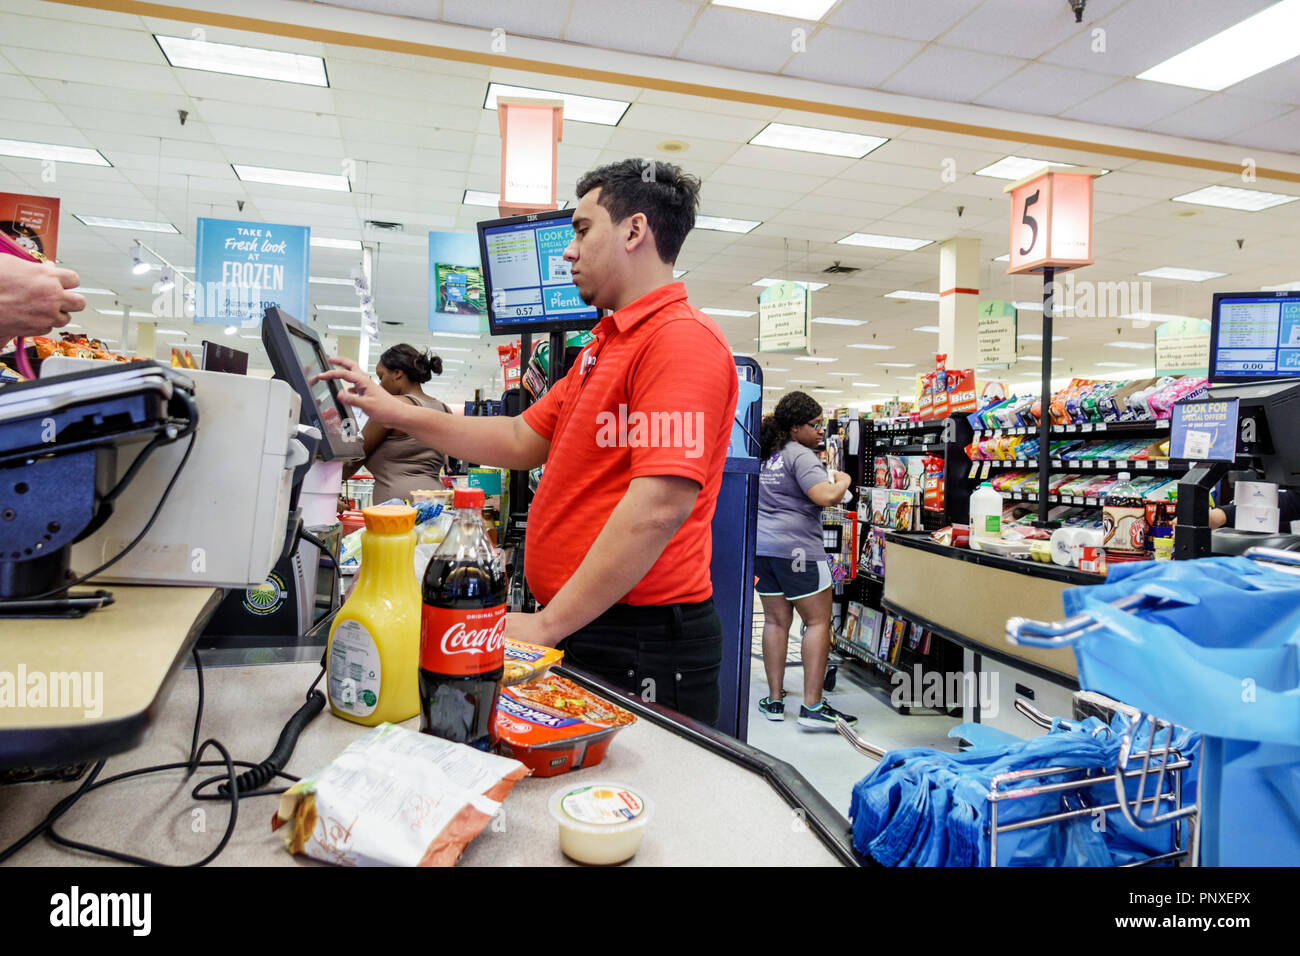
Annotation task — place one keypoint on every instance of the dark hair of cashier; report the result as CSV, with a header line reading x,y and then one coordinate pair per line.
x,y
418,366
663,192
794,409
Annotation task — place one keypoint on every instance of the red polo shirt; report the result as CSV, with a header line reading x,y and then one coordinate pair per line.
x,y
654,394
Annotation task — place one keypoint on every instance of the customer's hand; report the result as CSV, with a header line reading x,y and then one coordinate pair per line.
x,y
366,394
35,297
841,478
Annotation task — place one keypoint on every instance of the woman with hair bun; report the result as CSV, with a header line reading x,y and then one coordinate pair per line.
x,y
399,463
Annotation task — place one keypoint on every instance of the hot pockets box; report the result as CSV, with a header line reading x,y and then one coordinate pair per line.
x,y
552,725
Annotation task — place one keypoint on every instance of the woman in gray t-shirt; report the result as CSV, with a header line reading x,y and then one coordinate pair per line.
x,y
791,564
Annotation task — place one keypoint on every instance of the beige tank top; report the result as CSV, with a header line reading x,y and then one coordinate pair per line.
x,y
401,464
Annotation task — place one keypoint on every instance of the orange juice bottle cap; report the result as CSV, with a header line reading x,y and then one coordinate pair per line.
x,y
389,519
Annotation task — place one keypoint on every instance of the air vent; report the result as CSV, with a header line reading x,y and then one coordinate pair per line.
x,y
384,226
839,270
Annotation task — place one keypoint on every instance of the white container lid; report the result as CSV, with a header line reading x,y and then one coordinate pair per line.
x,y
600,807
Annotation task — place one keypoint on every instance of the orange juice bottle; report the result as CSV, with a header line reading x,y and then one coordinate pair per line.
x,y
373,658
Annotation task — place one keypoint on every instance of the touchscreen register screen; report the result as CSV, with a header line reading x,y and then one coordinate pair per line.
x,y
312,362
529,277
1258,337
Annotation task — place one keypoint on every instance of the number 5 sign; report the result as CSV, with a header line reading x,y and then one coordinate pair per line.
x,y
1051,220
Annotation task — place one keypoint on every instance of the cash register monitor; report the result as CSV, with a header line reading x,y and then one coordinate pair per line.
x,y
1255,358
297,356
526,278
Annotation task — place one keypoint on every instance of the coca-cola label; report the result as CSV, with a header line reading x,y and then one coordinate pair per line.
x,y
462,643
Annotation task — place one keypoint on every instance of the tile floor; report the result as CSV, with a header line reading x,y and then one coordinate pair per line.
x,y
824,757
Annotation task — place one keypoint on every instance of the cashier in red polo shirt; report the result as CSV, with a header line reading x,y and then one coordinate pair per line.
x,y
634,439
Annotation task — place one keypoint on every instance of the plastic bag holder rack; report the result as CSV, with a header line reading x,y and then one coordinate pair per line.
x,y
1182,819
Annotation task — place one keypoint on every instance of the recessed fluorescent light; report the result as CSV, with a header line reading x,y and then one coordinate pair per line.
x,y
802,381
344,328
1018,167
773,368
169,332
256,337
1034,358
925,328
837,391
1035,337
140,225
814,358
449,348
810,286
722,224
897,364
59,154
914,296
828,320
1154,317
1183,275
774,388
810,139
1230,197
737,313
247,61
110,312
323,242
85,291
1005,257
868,345
1116,365
1130,345
678,273
453,361
1257,43
327,280
291,177
337,308
799,9
1031,306
475,197
866,384
456,335
883,242
580,109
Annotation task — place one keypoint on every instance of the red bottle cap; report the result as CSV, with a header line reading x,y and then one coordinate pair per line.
x,y
467,498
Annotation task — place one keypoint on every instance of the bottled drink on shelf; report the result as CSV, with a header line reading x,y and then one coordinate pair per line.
x,y
1124,522
462,651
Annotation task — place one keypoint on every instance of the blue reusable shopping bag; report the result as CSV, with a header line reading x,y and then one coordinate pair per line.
x,y
1221,655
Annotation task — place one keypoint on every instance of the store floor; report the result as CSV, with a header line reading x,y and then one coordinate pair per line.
x,y
824,757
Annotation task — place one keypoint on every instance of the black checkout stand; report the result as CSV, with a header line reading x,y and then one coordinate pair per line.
x,y
719,801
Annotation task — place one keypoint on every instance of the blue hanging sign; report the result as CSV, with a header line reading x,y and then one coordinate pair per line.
x,y
243,268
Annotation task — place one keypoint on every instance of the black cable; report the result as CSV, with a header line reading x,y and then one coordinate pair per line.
x,y
231,790
194,420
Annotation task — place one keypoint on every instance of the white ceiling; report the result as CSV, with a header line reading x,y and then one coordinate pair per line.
x,y
417,135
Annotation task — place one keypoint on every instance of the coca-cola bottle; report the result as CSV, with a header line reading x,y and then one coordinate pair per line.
x,y
462,630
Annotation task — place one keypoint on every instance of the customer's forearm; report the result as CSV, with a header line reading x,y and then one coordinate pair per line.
x,y
489,440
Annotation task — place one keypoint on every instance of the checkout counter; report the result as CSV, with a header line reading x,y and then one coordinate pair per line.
x,y
717,801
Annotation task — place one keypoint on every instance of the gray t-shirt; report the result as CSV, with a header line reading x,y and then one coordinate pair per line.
x,y
787,518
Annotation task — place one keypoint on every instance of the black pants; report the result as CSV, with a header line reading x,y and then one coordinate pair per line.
x,y
669,654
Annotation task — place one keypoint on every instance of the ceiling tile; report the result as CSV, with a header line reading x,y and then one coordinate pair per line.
x,y
537,18
1218,117
915,21
1024,29
946,73
622,24
850,58
1281,134
741,40
1041,88
1134,103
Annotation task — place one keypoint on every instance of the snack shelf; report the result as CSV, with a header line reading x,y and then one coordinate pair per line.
x,y
1090,464
1084,428
1088,501
919,448
894,428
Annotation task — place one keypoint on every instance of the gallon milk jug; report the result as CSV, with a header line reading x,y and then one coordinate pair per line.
x,y
985,515
372,664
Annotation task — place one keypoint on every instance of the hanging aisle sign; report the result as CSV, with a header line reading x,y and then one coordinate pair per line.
x,y
530,131
243,268
997,333
1051,220
1183,347
784,311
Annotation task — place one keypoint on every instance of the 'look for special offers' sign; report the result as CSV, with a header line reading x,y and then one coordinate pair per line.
x,y
244,268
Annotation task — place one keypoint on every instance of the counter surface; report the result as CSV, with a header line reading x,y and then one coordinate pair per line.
x,y
708,811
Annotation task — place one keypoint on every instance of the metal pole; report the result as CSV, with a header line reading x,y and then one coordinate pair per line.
x,y
1045,398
